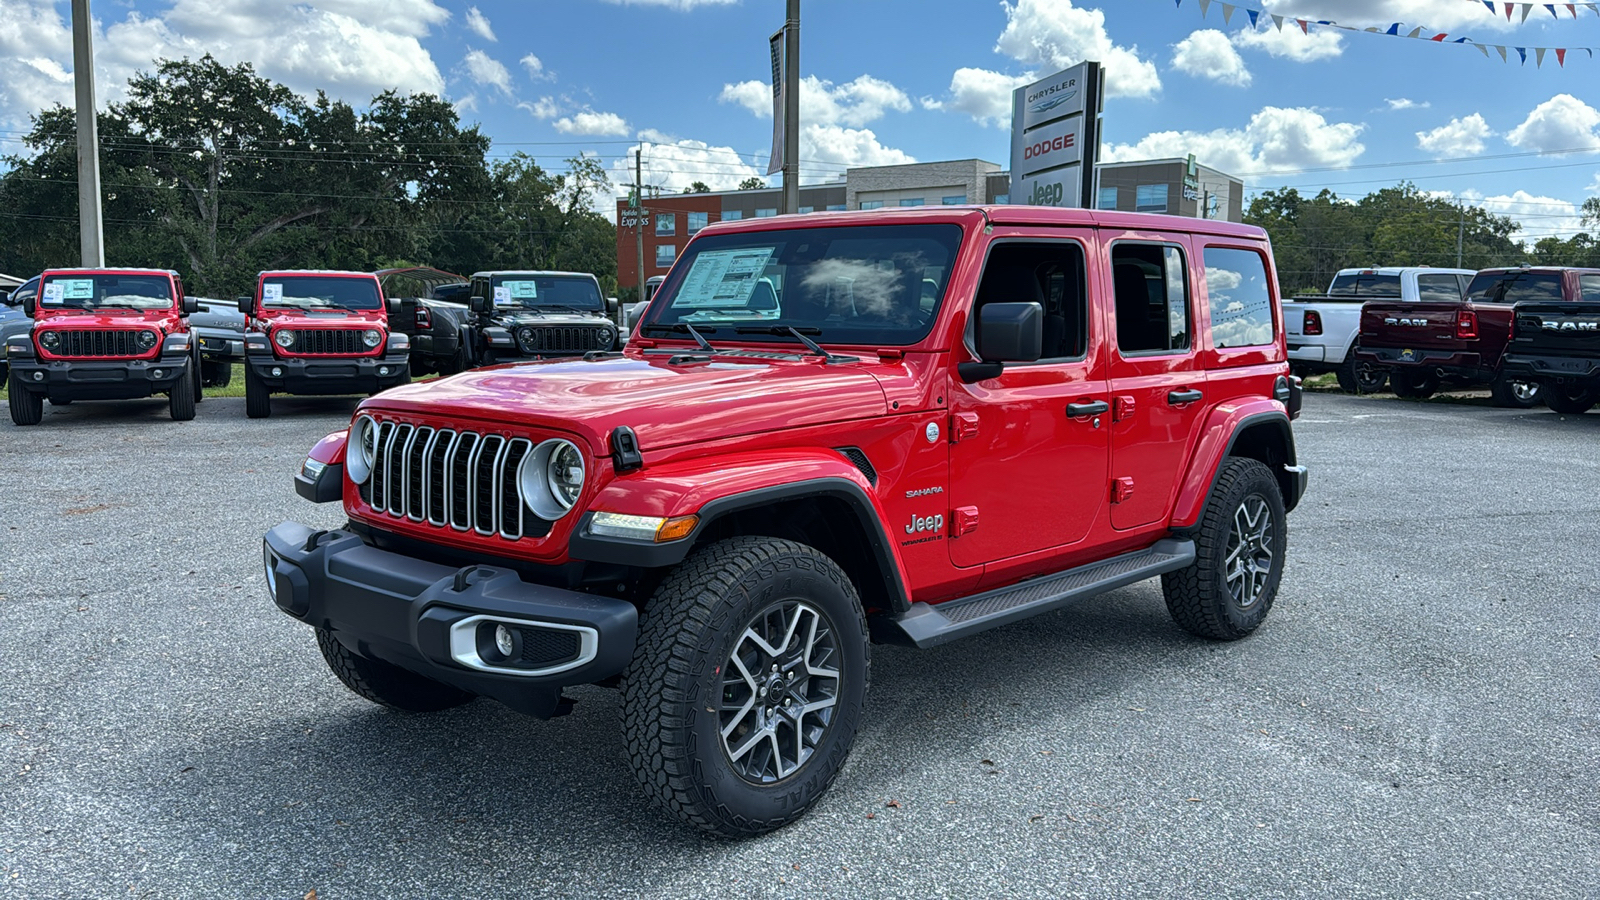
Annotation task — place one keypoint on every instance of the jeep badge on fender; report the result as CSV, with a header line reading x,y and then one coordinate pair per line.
x,y
905,426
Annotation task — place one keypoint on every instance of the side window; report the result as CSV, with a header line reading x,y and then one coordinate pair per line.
x,y
1051,275
1152,298
1439,288
1589,287
1241,304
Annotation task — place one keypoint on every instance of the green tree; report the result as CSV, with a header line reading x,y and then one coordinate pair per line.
x,y
752,184
697,187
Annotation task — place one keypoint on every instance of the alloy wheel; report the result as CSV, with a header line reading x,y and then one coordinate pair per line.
x,y
779,689
1249,560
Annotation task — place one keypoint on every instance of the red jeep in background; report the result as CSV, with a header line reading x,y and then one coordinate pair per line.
x,y
901,426
104,334
318,332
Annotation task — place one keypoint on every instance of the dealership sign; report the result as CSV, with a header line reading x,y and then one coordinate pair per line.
x,y
1055,138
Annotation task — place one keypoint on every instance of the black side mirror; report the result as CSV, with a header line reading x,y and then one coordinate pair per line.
x,y
189,306
396,305
479,304
30,305
1006,332
247,305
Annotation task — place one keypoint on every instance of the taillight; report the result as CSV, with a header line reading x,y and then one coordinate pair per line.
x,y
1466,325
1312,323
424,318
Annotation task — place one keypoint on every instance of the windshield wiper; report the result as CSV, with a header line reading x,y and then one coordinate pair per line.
x,y
798,334
683,328
563,306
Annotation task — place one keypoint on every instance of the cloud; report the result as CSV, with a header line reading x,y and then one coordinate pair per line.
x,y
543,108
854,103
592,123
535,67
35,51
1462,137
1540,217
1209,54
1293,44
1054,34
680,5
1403,103
1561,123
984,95
1594,186
1275,139
826,150
485,69
672,164
479,23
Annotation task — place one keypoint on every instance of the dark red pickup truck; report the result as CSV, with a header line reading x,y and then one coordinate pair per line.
x,y
1425,345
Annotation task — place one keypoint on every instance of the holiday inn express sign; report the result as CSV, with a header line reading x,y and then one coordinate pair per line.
x,y
1055,138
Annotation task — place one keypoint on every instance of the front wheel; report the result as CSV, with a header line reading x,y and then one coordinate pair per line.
x,y
1357,377
27,408
180,400
1228,590
257,399
1414,385
216,373
1570,401
745,689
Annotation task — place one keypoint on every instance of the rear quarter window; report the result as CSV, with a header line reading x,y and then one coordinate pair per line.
x,y
1240,301
1439,288
1589,286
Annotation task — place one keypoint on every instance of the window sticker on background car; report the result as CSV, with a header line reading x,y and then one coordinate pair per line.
x,y
523,290
502,295
722,277
77,289
52,294
271,293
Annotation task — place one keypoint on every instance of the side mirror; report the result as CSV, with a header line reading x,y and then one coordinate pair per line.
x,y
247,305
189,306
1006,332
396,305
479,304
30,305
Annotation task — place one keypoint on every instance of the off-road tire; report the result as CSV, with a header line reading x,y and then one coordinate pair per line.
x,y
27,407
257,399
1414,386
386,684
459,361
216,374
180,400
1356,378
1198,596
1503,391
673,687
1560,398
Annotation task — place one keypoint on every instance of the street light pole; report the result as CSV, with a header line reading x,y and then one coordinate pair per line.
x,y
91,236
791,109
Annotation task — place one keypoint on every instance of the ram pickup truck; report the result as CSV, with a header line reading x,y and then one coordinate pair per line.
x,y
1425,345
1557,342
721,518
12,319
1323,328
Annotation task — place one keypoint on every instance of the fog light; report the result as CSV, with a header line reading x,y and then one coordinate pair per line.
x,y
155,373
383,370
38,376
504,641
277,372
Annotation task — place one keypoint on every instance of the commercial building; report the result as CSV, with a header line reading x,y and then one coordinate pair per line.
x,y
1172,186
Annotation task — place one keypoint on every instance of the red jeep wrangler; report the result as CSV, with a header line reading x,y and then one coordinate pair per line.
x,y
104,334
318,332
905,426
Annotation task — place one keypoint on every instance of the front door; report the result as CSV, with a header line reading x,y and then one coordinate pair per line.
x,y
1029,452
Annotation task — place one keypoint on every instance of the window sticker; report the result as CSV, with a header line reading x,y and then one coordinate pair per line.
x,y
52,294
523,290
271,292
502,295
77,288
722,278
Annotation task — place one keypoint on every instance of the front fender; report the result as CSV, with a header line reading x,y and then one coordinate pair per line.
x,y
1222,429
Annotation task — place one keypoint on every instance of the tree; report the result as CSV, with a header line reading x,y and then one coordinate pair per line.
x,y
697,187
752,184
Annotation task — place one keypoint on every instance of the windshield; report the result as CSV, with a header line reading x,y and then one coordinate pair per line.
x,y
1366,286
528,291
875,284
1514,287
320,292
106,292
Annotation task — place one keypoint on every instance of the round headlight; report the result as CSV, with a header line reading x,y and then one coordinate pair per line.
x,y
551,478
146,339
372,337
284,338
50,340
525,335
361,449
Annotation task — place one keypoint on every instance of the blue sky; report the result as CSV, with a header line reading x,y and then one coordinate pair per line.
x,y
896,80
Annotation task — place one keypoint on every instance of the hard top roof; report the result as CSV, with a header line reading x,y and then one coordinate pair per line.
x,y
493,272
338,273
998,215
125,270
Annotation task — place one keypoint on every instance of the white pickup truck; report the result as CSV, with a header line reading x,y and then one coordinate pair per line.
x,y
1322,329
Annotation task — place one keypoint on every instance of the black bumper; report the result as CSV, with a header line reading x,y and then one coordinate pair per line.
x,y
329,375
433,620
221,346
100,379
1583,371
1458,366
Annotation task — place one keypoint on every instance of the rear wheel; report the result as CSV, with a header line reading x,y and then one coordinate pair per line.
x,y
745,689
1358,377
385,684
27,408
1414,385
1228,590
197,376
1568,400
216,373
180,400
257,399
1515,394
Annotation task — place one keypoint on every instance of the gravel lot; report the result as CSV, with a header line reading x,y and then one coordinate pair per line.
x,y
1419,716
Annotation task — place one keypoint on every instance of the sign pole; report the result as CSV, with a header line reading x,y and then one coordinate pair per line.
x,y
791,109
91,234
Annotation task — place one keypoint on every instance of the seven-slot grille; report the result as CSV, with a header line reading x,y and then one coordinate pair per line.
x,y
563,338
121,342
327,340
445,477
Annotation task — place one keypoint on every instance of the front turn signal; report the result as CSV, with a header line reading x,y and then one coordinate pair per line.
x,y
676,528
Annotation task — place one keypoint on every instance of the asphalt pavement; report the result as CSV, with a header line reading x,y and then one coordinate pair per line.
x,y
1419,716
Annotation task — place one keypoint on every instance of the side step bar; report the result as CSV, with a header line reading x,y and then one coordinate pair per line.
x,y
929,626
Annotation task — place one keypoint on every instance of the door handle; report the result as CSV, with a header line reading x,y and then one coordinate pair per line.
x,y
1092,408
1179,398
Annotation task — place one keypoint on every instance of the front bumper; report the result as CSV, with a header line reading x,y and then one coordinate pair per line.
x,y
221,346
100,379
431,619
1581,371
1463,366
329,375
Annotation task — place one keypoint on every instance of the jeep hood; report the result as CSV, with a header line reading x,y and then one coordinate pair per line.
x,y
665,405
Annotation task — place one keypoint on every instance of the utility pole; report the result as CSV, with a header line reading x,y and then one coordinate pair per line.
x,y
791,109
1461,234
91,235
638,214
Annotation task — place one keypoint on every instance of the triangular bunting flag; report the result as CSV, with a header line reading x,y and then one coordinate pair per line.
x,y
1561,56
1227,13
1552,8
1523,52
1490,4
1484,49
1526,9
1253,14
1573,8
1415,32
1538,57
1502,49
1205,7
1304,28
1393,29
1594,8
1438,38
1508,11
1278,22
1372,30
